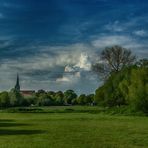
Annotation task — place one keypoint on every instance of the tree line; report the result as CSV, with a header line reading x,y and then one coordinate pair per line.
x,y
44,98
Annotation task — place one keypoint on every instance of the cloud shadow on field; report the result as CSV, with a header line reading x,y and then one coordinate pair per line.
x,y
12,123
20,132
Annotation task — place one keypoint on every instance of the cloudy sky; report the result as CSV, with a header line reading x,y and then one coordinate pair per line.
x,y
52,43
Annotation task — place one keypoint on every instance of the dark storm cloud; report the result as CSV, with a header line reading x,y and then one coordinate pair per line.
x,y
66,20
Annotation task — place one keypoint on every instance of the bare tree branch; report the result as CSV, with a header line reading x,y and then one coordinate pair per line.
x,y
115,58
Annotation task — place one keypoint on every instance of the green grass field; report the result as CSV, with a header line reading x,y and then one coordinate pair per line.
x,y
72,130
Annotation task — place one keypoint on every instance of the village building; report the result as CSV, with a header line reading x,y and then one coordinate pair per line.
x,y
25,93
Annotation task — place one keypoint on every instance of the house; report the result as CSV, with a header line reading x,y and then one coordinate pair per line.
x,y
27,93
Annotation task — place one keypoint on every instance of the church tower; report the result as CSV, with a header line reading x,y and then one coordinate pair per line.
x,y
17,86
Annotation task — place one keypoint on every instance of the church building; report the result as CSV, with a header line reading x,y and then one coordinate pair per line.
x,y
25,93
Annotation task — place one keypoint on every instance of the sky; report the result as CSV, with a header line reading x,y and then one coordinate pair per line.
x,y
52,43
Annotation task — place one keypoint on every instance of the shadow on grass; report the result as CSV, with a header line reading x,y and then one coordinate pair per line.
x,y
11,123
6,120
3,124
19,132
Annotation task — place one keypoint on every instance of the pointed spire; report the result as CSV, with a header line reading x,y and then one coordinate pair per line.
x,y
17,86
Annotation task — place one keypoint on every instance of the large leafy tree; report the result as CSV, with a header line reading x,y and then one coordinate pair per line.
x,y
16,99
127,87
59,98
81,99
69,95
4,99
44,100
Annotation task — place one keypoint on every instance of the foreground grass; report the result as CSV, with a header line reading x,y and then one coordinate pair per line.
x,y
72,130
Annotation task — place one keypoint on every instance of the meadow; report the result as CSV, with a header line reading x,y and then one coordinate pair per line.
x,y
61,129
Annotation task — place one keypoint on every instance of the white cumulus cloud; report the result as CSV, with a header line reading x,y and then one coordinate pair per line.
x,y
84,62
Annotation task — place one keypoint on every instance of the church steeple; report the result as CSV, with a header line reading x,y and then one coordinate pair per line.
x,y
17,86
